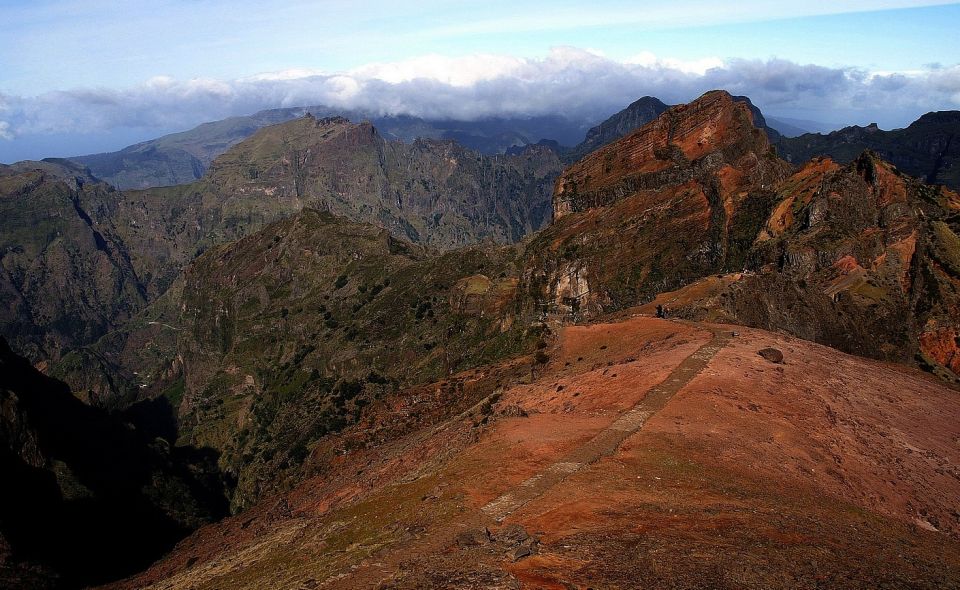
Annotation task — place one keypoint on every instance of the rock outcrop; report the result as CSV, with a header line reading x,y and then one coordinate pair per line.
x,y
678,199
860,257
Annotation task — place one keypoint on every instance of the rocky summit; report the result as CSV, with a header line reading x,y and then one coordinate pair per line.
x,y
678,361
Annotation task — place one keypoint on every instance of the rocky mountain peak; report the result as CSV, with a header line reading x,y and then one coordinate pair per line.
x,y
714,132
637,114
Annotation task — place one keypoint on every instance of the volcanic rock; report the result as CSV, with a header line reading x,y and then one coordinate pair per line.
x,y
771,354
473,538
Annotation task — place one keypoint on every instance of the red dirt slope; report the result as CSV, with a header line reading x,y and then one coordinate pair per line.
x,y
824,470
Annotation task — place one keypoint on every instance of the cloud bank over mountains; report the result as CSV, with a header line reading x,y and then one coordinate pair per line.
x,y
577,83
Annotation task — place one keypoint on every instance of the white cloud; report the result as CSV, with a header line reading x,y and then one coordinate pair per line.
x,y
290,74
5,131
460,72
648,59
576,83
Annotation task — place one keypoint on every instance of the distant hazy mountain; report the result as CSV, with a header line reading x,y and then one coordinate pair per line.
x,y
179,158
926,149
806,125
786,129
183,157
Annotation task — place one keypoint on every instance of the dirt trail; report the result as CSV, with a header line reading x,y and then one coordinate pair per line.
x,y
609,439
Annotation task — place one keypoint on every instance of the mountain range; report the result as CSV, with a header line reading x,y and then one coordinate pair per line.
x,y
925,149
687,351
183,157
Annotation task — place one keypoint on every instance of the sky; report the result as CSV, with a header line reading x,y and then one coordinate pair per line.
x,y
81,76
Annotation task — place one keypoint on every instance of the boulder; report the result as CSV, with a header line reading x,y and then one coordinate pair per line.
x,y
771,354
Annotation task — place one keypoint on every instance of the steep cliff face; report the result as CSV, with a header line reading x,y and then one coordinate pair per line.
x,y
65,274
90,496
434,192
677,199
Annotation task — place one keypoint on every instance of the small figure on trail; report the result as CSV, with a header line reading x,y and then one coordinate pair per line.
x,y
661,312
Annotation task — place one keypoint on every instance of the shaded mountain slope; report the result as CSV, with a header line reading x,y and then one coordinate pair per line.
x,y
928,148
752,475
66,278
90,496
288,334
270,343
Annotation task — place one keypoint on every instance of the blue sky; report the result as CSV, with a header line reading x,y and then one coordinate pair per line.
x,y
87,75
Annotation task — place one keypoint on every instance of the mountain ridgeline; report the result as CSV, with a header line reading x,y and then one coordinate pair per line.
x,y
928,149
181,158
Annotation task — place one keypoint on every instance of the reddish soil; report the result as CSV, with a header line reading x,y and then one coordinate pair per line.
x,y
826,470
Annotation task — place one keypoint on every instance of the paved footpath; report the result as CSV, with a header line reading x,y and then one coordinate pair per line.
x,y
609,439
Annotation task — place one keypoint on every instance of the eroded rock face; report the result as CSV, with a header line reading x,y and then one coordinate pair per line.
x,y
859,257
711,136
680,198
